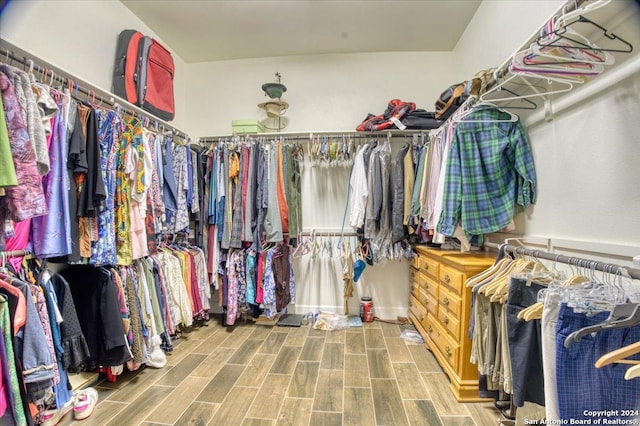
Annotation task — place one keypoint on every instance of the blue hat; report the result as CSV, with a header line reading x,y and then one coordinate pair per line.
x,y
358,268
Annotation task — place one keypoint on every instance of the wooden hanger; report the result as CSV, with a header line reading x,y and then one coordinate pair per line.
x,y
493,270
632,372
618,356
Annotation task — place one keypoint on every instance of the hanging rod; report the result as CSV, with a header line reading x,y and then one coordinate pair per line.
x,y
331,234
569,260
14,253
308,136
11,53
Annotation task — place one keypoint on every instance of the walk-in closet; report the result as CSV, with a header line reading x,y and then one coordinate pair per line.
x,y
319,212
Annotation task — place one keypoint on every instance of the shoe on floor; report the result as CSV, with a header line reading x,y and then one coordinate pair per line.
x,y
84,403
53,417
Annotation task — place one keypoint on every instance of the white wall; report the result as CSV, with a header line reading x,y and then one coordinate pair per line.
x,y
497,29
587,159
80,37
324,92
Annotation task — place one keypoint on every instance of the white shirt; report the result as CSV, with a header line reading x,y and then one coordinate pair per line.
x,y
359,192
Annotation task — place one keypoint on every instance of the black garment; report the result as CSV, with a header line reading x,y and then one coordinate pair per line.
x,y
421,119
261,198
398,230
93,192
282,275
525,344
96,301
76,350
76,165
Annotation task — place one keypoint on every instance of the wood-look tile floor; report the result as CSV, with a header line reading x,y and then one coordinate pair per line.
x,y
260,375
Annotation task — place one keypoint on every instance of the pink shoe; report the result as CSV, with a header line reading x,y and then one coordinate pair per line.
x,y
84,403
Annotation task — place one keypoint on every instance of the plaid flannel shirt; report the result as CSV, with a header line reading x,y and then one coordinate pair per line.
x,y
490,170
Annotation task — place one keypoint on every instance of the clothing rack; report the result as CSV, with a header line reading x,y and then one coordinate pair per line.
x,y
308,137
14,253
569,260
50,73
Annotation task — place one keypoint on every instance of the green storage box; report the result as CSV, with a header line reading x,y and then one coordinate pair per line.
x,y
252,126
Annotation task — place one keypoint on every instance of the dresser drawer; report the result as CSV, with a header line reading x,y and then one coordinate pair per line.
x,y
432,305
415,289
450,323
429,266
415,262
417,308
450,302
432,288
451,278
444,344
421,279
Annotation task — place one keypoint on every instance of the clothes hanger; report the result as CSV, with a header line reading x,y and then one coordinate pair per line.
x,y
527,61
524,79
526,104
610,323
501,290
566,54
618,356
477,108
632,372
486,274
560,73
562,33
585,8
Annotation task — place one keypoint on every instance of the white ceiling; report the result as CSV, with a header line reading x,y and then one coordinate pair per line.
x,y
203,31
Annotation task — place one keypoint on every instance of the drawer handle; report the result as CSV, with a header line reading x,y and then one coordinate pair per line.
x,y
446,301
446,321
426,302
447,351
426,267
447,279
410,304
429,329
422,318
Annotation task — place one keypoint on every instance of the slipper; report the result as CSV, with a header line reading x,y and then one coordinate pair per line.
x,y
84,404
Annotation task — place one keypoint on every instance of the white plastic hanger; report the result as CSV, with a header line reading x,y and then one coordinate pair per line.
x,y
529,80
486,105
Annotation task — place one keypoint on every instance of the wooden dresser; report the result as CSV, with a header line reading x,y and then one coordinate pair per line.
x,y
440,307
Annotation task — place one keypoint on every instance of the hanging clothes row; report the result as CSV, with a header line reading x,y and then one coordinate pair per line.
x,y
531,329
253,189
41,341
149,302
252,282
91,185
379,189
473,176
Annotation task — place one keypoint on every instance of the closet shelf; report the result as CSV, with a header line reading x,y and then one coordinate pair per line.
x,y
614,22
11,53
